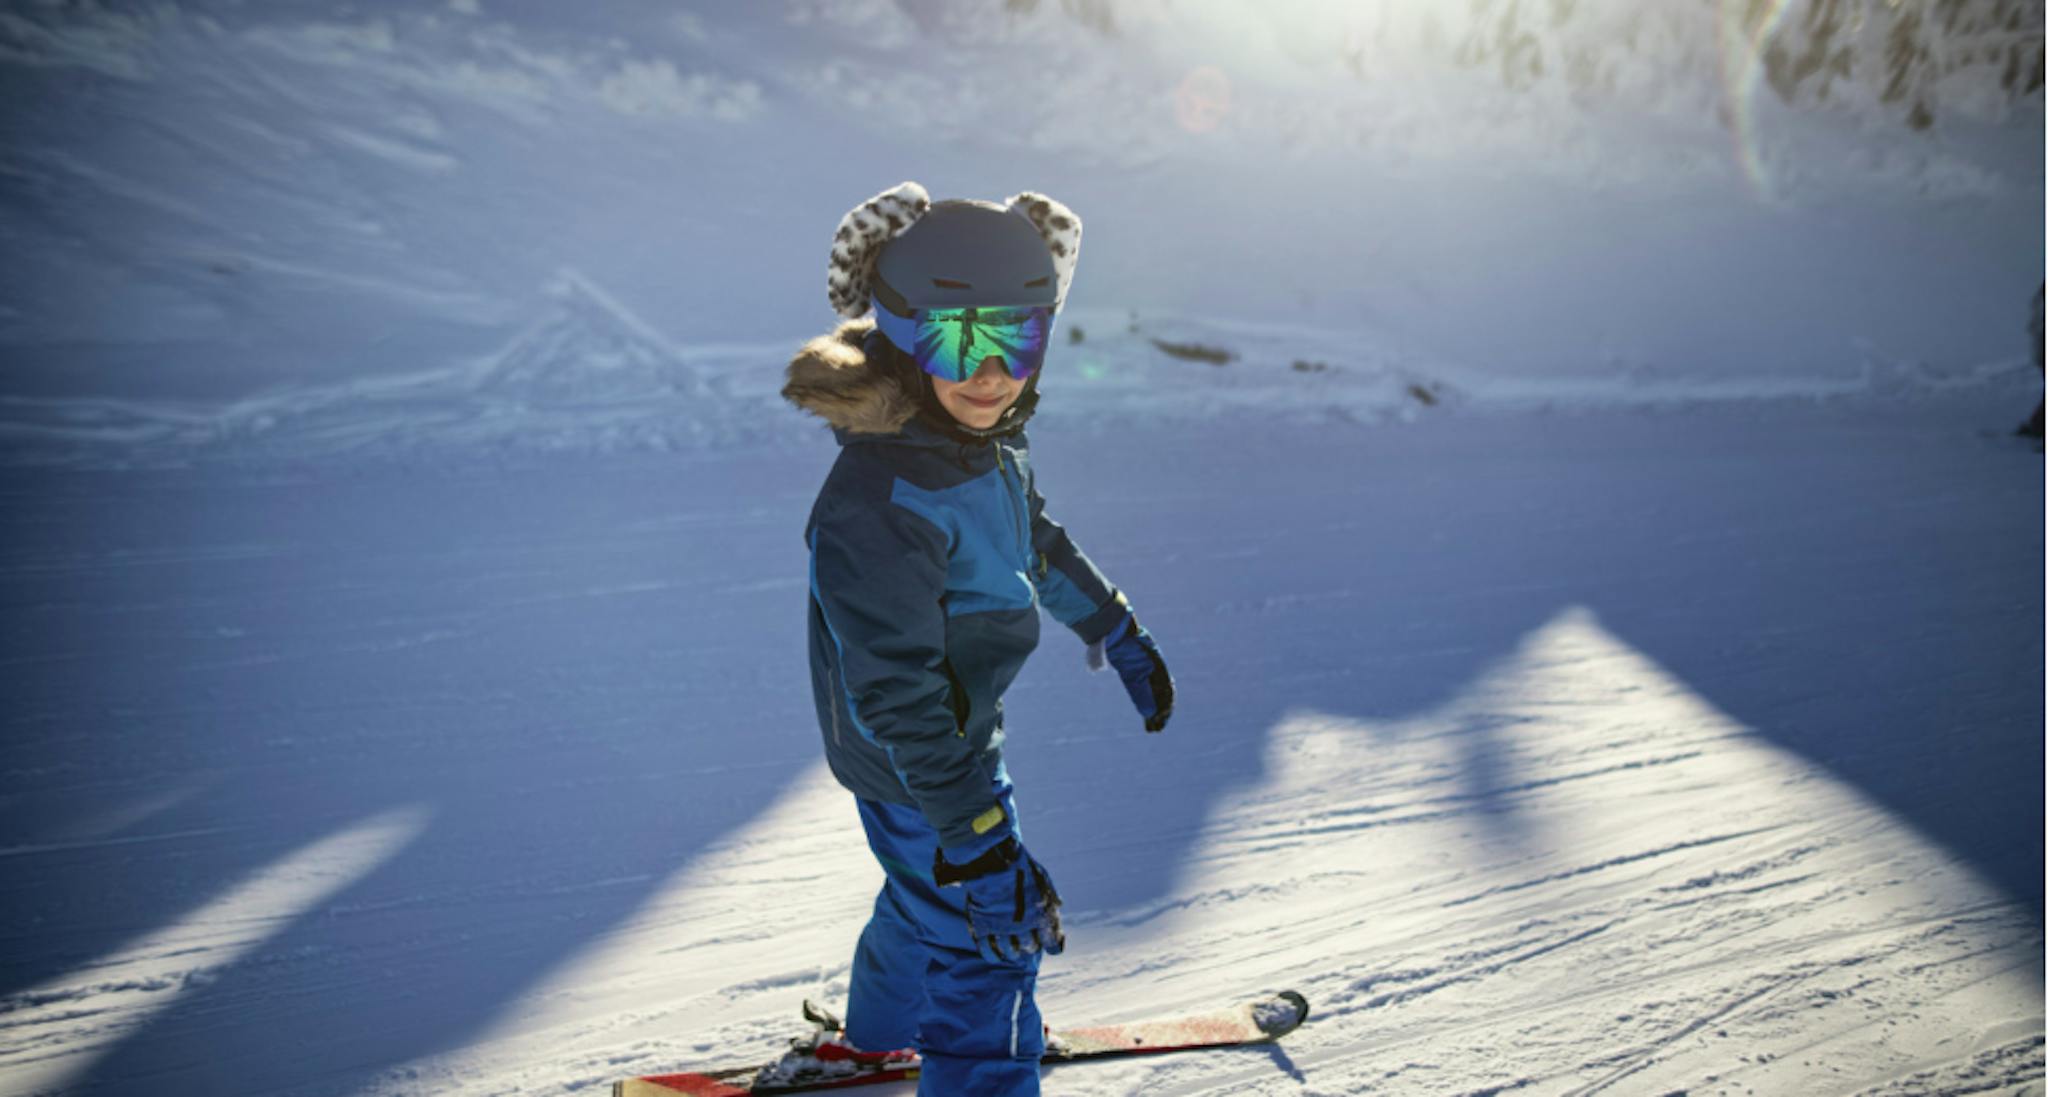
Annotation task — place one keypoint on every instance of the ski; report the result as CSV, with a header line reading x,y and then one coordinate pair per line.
x,y
822,1062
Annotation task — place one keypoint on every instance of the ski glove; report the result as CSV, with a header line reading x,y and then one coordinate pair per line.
x,y
1134,654
1012,909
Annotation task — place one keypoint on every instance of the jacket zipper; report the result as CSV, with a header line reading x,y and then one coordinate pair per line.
x,y
1023,541
839,698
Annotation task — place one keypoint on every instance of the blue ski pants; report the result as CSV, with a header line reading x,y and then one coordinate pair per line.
x,y
919,982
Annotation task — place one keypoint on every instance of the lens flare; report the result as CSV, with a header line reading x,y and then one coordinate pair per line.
x,y
1745,35
1202,100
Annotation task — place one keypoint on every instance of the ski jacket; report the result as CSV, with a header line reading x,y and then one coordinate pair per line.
x,y
931,554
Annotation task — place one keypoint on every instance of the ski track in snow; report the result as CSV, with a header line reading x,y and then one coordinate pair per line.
x,y
1562,867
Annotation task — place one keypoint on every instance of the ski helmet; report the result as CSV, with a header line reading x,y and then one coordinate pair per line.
x,y
966,253
877,224
908,255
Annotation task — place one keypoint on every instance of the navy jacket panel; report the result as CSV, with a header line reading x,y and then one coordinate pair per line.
x,y
930,557
923,611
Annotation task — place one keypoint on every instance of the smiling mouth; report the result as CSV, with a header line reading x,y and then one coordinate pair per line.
x,y
988,403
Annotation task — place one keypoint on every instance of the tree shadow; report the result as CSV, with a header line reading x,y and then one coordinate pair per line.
x,y
566,668
1870,600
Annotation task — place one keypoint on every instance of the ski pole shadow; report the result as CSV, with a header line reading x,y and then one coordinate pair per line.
x,y
1285,1062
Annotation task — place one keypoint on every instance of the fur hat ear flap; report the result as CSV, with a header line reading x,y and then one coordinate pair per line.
x,y
1061,230
862,232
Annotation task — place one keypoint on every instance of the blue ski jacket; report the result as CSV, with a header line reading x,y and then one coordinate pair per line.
x,y
931,554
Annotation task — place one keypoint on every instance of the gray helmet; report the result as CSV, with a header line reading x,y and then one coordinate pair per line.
x,y
962,253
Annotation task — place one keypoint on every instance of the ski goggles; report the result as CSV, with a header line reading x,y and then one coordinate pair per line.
x,y
951,343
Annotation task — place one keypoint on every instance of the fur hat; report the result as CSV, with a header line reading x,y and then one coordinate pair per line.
x,y
866,228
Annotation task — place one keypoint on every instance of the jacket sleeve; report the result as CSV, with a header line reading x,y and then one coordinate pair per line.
x,y
1070,586
878,572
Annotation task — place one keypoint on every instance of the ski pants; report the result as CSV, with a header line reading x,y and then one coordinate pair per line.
x,y
919,982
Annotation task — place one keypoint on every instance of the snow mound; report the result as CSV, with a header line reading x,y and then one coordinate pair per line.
x,y
588,377
585,376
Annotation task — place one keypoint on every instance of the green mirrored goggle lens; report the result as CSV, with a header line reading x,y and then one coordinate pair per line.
x,y
953,343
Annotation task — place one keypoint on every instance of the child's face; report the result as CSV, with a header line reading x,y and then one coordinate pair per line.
x,y
981,399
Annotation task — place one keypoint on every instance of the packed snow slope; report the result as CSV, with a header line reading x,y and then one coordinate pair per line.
x,y
1692,749
1562,448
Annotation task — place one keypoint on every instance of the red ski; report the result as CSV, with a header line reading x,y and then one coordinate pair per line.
x,y
821,1062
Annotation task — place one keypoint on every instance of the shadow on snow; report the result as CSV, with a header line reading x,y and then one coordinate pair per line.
x,y
591,675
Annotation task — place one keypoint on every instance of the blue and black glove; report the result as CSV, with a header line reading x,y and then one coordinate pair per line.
x,y
1134,654
1012,909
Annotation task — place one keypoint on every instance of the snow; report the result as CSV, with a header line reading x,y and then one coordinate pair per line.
x,y
1578,507
1540,750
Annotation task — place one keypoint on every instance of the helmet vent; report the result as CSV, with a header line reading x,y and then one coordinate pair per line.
x,y
948,283
1035,282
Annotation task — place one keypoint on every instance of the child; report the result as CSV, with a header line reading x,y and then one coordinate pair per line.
x,y
930,556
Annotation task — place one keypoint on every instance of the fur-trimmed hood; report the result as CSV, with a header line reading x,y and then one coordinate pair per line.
x,y
840,378
833,378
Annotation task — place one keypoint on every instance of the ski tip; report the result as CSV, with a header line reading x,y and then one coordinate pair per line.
x,y
1281,1014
